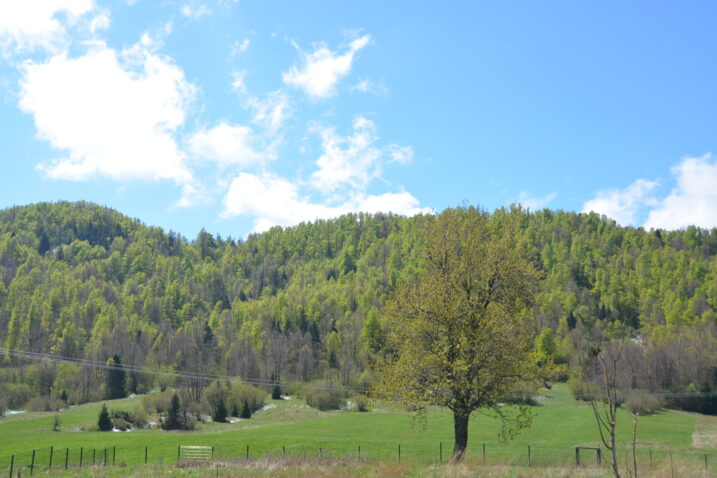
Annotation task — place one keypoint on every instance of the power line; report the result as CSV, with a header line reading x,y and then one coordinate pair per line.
x,y
158,371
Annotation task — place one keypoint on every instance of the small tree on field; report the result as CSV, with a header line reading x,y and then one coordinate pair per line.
x,y
235,410
276,392
174,420
607,401
220,411
116,378
103,420
246,411
460,335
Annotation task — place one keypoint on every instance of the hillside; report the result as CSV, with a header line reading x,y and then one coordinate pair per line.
x,y
303,303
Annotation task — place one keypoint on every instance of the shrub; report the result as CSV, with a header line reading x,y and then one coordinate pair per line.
x,y
642,402
44,404
15,394
157,402
220,412
323,399
362,403
103,420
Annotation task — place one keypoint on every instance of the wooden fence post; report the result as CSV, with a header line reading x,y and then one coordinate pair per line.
x,y
94,453
114,453
179,449
440,452
577,456
145,454
51,452
399,453
67,456
32,463
81,454
105,456
12,464
247,452
484,453
359,450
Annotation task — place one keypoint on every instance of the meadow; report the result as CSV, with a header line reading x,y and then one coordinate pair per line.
x,y
288,433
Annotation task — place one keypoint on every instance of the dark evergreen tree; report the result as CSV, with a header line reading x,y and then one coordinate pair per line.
x,y
276,392
116,378
174,419
220,411
235,410
103,420
245,411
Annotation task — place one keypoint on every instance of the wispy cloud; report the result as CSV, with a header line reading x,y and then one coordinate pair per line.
x,y
535,203
321,70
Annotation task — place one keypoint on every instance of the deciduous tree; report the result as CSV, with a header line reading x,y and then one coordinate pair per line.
x,y
459,336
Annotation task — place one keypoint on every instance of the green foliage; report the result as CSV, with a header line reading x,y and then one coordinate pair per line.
x,y
324,399
76,279
103,420
220,412
245,411
176,418
116,378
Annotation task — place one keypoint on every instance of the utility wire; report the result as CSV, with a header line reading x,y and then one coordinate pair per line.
x,y
158,371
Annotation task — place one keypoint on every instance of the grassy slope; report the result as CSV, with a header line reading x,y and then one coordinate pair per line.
x,y
558,425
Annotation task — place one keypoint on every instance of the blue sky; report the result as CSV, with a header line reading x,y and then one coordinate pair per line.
x,y
235,116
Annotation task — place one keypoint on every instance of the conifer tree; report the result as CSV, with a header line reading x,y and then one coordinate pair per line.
x,y
103,421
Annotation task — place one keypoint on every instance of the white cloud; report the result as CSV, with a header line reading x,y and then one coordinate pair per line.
x,y
196,11
101,21
239,47
28,25
400,154
269,112
322,69
273,200
623,205
368,86
238,83
533,203
113,114
693,201
348,160
228,145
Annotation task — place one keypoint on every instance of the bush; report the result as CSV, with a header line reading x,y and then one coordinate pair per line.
x,y
642,402
15,394
157,402
103,420
323,399
362,403
44,404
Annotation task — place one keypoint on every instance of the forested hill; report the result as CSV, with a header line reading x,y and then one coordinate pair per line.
x,y
303,303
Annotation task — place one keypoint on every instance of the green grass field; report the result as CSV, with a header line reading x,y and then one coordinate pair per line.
x,y
290,428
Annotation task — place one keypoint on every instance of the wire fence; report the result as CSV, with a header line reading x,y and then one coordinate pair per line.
x,y
57,458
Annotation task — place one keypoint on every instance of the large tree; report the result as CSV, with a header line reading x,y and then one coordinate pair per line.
x,y
458,336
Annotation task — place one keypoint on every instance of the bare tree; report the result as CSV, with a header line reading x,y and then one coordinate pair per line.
x,y
606,402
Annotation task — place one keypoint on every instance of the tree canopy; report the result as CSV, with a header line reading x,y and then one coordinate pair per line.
x,y
460,335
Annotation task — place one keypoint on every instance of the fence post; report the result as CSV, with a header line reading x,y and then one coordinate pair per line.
x,y
577,456
179,448
321,452
81,453
650,457
67,456
399,453
528,455
32,463
359,447
12,464
440,451
105,456
145,454
247,452
52,448
599,456
212,453
283,451
484,453
94,452
705,461
672,465
114,453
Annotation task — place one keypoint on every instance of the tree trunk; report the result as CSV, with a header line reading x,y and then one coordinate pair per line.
x,y
613,450
460,425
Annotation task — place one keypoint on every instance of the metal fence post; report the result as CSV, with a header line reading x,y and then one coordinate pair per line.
x,y
32,463
528,455
114,453
12,464
94,453
67,456
399,453
105,456
52,449
484,453
359,450
81,453
145,455
247,452
440,452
